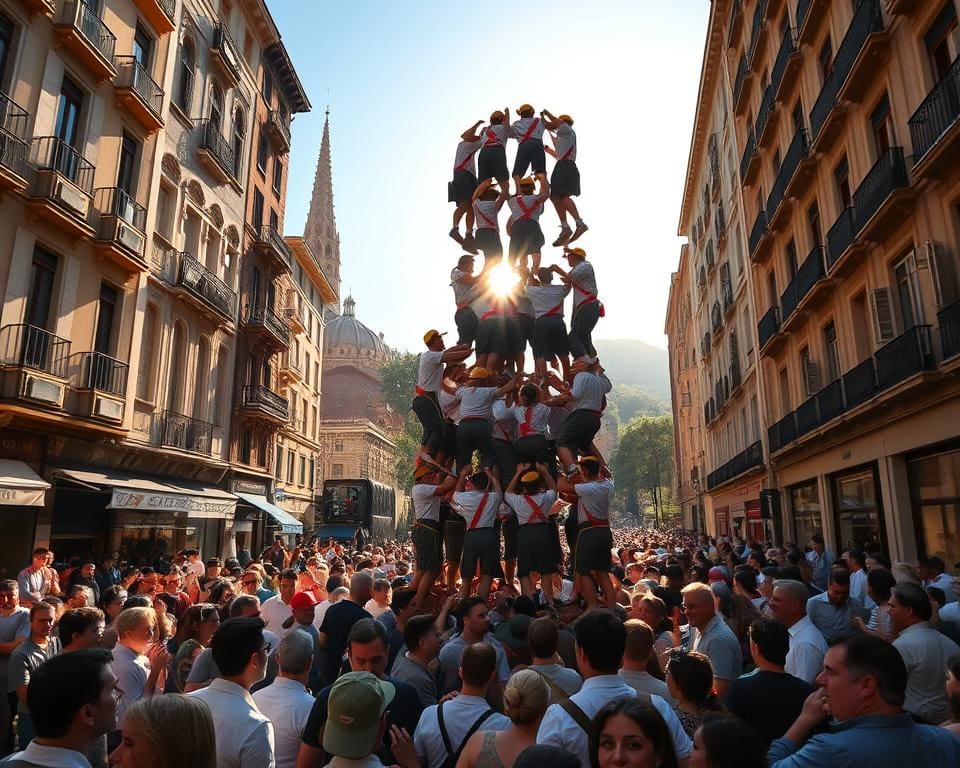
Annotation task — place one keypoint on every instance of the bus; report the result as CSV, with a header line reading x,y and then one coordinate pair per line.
x,y
351,504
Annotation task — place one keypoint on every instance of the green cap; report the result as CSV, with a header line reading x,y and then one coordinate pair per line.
x,y
357,702
514,632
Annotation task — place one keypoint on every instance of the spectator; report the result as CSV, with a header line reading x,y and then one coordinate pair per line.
x,y
251,583
711,636
601,639
879,584
74,701
276,609
475,628
402,606
37,580
653,611
953,696
14,629
770,699
26,659
111,603
819,558
304,606
857,565
542,638
167,732
78,596
926,653
286,701
366,652
173,586
727,742
525,700
691,682
80,629
807,645
107,574
338,622
275,554
244,736
943,626
137,674
932,571
631,732
512,635
833,612
454,721
380,602
422,640
636,658
194,633
864,680
745,583
358,703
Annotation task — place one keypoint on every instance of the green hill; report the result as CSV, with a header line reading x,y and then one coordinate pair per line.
x,y
633,363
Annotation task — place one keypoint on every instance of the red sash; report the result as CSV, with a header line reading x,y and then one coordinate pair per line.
x,y
527,212
480,507
591,520
537,516
557,310
566,155
530,129
526,426
491,223
418,391
466,161
490,313
492,139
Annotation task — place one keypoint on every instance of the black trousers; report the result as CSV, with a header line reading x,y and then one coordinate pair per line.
x,y
474,435
581,329
428,412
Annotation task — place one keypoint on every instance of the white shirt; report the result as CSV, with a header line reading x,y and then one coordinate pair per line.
x,y
485,213
564,142
465,158
426,503
449,405
494,135
430,371
375,609
274,612
244,736
51,757
560,730
476,402
858,588
320,611
132,670
532,419
468,504
950,612
503,422
287,704
593,500
588,391
641,680
584,283
520,504
547,299
945,582
525,207
807,649
195,566
926,654
463,292
459,714
518,129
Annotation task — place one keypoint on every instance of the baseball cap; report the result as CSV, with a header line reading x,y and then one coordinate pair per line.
x,y
422,471
431,335
357,702
479,373
529,477
514,632
576,252
303,600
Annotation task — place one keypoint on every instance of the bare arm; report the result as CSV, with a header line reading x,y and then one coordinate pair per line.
x,y
546,476
494,483
482,187
456,354
462,479
446,486
471,133
549,121
521,468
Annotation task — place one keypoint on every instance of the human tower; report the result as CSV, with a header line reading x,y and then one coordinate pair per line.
x,y
533,431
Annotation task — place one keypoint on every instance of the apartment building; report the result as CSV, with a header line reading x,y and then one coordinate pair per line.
x,y
716,290
848,116
124,156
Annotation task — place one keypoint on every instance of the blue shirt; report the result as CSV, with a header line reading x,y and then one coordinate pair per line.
x,y
835,624
878,741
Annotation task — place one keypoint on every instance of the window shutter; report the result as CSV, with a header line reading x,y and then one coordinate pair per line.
x,y
946,287
881,307
145,363
812,376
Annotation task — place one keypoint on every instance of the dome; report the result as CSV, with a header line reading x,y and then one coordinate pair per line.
x,y
347,333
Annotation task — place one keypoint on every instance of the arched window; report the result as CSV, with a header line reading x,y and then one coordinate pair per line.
x,y
216,107
201,380
239,129
186,64
177,364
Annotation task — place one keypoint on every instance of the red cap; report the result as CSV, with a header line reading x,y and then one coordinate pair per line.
x,y
717,573
303,600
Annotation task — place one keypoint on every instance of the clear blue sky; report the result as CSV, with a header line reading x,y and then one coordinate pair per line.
x,y
406,78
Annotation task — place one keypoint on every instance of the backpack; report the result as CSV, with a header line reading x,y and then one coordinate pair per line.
x,y
453,757
580,718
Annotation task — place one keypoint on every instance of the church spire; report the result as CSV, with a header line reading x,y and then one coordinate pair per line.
x,y
320,232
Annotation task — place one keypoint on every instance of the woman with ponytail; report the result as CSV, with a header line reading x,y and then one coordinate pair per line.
x,y
690,679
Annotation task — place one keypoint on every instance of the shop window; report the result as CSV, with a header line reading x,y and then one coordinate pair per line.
x,y
935,495
807,512
858,510
338,470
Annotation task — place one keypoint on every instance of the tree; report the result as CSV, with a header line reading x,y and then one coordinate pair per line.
x,y
399,377
643,460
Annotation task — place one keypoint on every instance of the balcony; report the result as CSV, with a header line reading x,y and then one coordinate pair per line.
x,y
783,432
225,54
291,370
174,430
757,236
702,279
787,65
807,418
100,384
802,161
949,319
734,25
860,383
266,323
206,288
83,33
907,355
138,92
270,244
39,7
935,126
215,153
716,318
736,378
63,188
294,319
726,289
710,257
161,14
757,29
768,331
709,412
764,115
720,224
741,86
882,200
33,365
705,346
120,227
808,286
13,147
810,18
749,161
277,130
830,401
868,41
264,402
743,462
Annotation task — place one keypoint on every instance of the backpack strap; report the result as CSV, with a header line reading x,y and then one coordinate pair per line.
x,y
578,715
443,730
453,757
557,694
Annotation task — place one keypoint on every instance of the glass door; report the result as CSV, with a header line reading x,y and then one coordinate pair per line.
x,y
859,514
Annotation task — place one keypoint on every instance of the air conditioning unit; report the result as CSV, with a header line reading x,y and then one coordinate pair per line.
x,y
131,238
70,195
108,408
41,390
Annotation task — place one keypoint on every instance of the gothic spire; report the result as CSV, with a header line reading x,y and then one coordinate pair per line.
x,y
320,232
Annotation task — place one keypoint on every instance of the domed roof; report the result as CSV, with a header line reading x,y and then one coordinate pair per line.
x,y
347,331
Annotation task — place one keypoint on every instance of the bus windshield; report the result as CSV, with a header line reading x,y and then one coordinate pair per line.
x,y
346,504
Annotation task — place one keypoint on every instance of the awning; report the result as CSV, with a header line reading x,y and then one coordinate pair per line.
x,y
155,495
338,532
20,486
288,523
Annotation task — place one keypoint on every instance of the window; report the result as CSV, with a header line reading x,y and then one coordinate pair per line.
x,y
784,392
142,47
201,380
303,470
267,86
813,222
106,311
277,174
274,220
841,177
791,251
908,292
881,124
307,368
177,364
278,465
290,460
43,273
833,350
312,477
772,288
262,154
165,211
258,204
6,42
127,170
939,43
186,64
239,132
826,58
338,446
216,107
246,445
797,116
338,470
145,369
68,113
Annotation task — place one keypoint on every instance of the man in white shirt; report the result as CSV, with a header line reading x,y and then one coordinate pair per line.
x,y
286,701
565,180
425,403
277,610
244,735
710,635
527,129
587,309
542,639
636,655
932,570
464,183
137,674
601,640
429,488
531,496
586,396
857,563
462,715
788,604
475,620
481,544
523,226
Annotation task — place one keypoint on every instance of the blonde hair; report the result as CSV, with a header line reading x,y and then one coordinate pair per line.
x,y
905,573
526,697
131,618
178,728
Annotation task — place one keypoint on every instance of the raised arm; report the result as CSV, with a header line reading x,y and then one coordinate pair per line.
x,y
549,121
462,479
456,353
482,187
521,468
494,483
446,486
471,133
546,476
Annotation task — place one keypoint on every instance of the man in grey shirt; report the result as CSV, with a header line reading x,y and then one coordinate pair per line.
x,y
422,639
542,639
833,611
711,636
14,629
636,656
25,660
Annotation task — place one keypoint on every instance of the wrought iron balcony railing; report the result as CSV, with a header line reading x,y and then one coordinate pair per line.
x,y
206,286
132,74
27,346
188,434
211,140
113,201
96,370
840,236
886,176
768,326
48,153
937,113
263,398
908,354
949,319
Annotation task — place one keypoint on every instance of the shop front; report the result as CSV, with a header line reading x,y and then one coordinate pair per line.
x,y
858,512
738,512
934,477
806,511
146,519
22,497
258,518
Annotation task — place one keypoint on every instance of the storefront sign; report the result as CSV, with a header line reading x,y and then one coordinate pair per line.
x,y
238,485
723,521
165,520
21,445
752,509
21,497
193,506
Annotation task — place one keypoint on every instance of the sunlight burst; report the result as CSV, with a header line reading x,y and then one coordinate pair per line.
x,y
502,279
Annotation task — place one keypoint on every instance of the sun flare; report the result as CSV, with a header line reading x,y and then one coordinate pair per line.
x,y
502,279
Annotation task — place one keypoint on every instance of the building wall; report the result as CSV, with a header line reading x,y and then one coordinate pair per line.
x,y
357,449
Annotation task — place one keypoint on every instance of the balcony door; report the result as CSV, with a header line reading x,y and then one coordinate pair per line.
x,y
941,48
101,365
908,292
34,347
126,178
142,47
67,130
6,42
